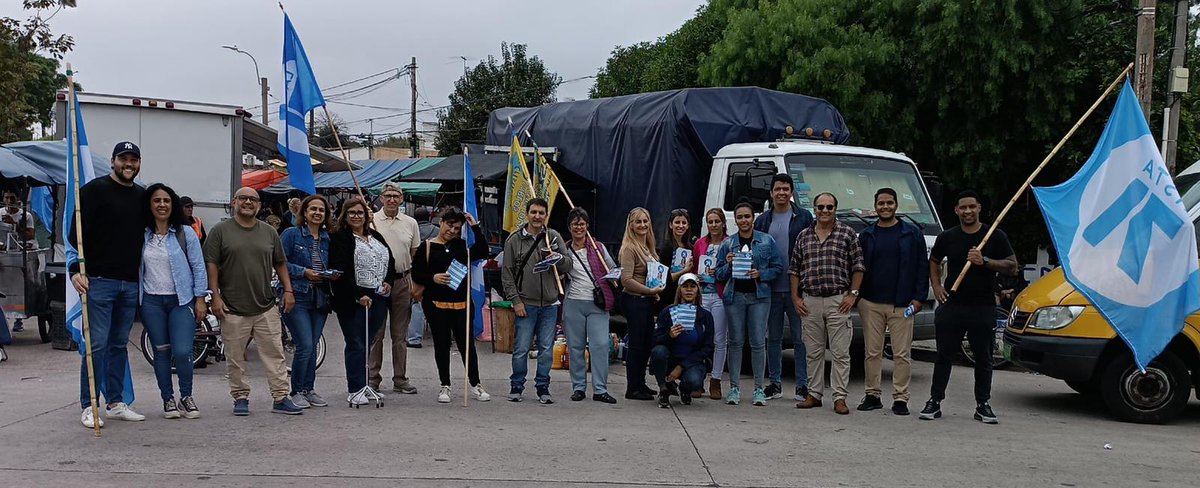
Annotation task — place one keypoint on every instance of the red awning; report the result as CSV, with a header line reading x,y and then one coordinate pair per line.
x,y
261,178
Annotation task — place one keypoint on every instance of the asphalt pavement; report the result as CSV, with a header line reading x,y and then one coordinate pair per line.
x,y
1047,436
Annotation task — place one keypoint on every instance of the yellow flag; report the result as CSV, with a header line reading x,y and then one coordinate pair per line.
x,y
518,189
548,186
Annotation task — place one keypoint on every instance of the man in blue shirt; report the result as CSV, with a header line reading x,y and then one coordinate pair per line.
x,y
893,290
783,223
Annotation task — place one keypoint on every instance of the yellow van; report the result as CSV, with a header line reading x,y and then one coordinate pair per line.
x,y
1054,330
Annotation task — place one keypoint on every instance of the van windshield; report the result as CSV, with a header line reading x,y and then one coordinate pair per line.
x,y
854,180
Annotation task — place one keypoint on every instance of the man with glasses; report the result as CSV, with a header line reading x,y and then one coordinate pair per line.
x,y
240,254
402,234
783,223
827,270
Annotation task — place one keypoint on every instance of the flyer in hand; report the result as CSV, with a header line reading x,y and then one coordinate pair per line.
x,y
615,274
680,258
545,264
703,263
457,272
684,314
656,274
742,262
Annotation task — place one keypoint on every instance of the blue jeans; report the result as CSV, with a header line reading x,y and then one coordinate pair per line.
x,y
111,307
587,324
661,364
781,306
172,329
539,320
306,325
747,316
416,325
358,327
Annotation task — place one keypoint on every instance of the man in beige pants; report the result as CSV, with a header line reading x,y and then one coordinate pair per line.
x,y
893,291
240,255
827,269
402,234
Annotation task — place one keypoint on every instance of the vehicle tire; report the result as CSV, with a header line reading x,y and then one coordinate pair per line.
x,y
44,328
998,360
1153,397
1085,388
320,351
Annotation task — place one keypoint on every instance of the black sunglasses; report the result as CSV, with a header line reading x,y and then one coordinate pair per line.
x,y
826,207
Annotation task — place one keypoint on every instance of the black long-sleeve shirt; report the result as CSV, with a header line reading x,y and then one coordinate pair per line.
x,y
341,257
438,261
113,226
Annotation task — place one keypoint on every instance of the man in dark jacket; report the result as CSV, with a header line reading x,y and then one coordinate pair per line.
x,y
784,222
893,291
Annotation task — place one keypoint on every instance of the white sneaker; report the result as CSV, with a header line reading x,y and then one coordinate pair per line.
x,y
480,395
122,411
444,395
357,399
88,420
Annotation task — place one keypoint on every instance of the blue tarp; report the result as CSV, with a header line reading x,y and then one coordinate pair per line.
x,y
655,149
42,161
373,172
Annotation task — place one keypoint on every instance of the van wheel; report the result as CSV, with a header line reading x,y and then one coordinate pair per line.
x,y
1153,397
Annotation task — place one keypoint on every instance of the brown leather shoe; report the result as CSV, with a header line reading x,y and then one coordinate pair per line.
x,y
810,402
697,393
840,408
714,389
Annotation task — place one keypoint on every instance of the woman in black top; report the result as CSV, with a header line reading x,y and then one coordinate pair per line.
x,y
360,293
446,307
678,235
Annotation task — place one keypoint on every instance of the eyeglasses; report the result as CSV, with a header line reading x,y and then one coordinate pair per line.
x,y
825,207
392,196
356,213
246,198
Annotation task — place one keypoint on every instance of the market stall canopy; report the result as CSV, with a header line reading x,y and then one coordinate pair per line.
x,y
372,173
261,142
261,178
42,161
487,167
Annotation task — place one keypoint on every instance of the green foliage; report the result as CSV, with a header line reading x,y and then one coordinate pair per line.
x,y
323,132
624,71
516,80
28,80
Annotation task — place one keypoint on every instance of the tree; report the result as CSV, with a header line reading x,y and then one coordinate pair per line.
x,y
28,80
516,80
323,133
624,72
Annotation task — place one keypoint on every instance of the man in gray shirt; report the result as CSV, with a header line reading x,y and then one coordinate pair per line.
x,y
241,253
783,223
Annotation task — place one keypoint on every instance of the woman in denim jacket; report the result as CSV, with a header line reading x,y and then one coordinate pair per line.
x,y
173,284
306,247
748,300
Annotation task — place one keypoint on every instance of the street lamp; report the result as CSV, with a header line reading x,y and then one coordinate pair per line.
x,y
262,81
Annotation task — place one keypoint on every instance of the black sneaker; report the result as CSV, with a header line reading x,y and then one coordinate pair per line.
x,y
604,397
932,410
983,413
773,391
578,395
900,407
543,393
170,410
671,389
189,408
638,395
685,398
664,400
870,402
514,394
801,393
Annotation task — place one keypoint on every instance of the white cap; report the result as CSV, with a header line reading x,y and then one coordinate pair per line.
x,y
689,277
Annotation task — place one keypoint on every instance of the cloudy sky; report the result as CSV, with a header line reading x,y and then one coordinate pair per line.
x,y
171,49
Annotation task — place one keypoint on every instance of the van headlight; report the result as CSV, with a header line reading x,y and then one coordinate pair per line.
x,y
1053,318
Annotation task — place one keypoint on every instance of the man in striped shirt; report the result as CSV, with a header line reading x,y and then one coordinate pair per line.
x,y
827,270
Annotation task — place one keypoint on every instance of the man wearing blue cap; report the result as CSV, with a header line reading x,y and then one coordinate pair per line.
x,y
114,255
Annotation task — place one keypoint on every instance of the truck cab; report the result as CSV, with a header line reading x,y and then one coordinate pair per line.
x,y
1055,331
851,173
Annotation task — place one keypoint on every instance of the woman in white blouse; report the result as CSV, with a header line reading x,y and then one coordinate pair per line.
x,y
360,294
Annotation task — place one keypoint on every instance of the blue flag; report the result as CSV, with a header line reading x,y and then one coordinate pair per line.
x,y
301,95
478,294
1124,237
41,203
74,303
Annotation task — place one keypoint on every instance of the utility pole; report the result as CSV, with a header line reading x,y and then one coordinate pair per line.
x,y
1177,86
412,132
310,125
264,100
1143,68
371,140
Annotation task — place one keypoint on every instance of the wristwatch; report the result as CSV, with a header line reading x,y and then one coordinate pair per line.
x,y
986,260
854,292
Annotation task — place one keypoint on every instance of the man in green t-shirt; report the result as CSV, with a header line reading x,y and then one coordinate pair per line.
x,y
241,254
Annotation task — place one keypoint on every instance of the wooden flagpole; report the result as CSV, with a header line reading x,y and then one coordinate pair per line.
x,y
533,190
73,128
537,153
1040,167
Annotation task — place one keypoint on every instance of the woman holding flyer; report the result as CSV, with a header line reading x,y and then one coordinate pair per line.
x,y
676,251
705,252
585,309
640,277
444,298
360,296
747,262
306,247
684,344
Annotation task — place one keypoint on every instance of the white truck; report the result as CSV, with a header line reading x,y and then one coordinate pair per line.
x,y
195,148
